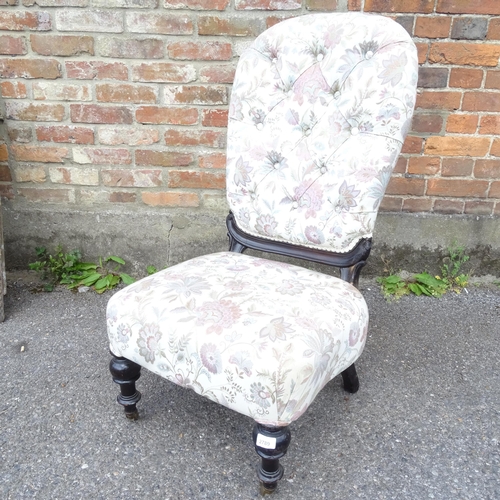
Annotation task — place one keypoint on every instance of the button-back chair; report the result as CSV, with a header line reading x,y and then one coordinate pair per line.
x,y
319,111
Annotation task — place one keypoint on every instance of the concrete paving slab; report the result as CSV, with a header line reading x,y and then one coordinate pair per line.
x,y
424,424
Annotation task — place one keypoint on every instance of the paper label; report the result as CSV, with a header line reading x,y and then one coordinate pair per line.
x,y
269,443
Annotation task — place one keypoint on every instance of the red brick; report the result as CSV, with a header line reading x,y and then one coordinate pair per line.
x,y
354,5
411,186
163,73
90,20
65,45
412,145
196,94
197,4
149,48
448,207
400,167
487,169
457,146
41,154
5,174
432,27
196,180
462,124
214,117
202,51
30,68
20,132
92,113
167,115
439,100
102,156
4,153
417,205
13,90
267,4
492,80
464,54
457,167
495,147
24,20
137,94
61,91
427,123
490,125
479,207
13,46
466,78
391,204
273,20
170,199
27,111
494,29
457,188
422,51
209,138
323,5
159,23
122,197
64,133
481,101
468,7
9,2
494,190
131,178
420,6
234,26
424,165
432,77
131,136
50,195
147,157
217,74
91,70
74,175
212,160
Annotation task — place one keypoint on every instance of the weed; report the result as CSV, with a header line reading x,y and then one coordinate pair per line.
x,y
69,270
395,286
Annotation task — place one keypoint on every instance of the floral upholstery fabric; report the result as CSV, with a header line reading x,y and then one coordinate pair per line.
x,y
319,110
257,336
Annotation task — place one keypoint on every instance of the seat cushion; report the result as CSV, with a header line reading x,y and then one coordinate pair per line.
x,y
258,336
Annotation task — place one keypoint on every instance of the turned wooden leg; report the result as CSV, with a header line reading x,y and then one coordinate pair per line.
x,y
125,373
271,443
350,378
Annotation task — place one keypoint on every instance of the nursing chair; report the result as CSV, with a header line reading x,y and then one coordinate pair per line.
x,y
319,110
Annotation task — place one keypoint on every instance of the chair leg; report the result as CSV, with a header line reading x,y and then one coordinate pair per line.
x,y
125,373
350,378
271,443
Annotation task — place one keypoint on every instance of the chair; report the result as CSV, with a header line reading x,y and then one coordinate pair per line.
x,y
319,111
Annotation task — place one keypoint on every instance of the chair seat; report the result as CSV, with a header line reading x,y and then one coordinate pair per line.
x,y
258,336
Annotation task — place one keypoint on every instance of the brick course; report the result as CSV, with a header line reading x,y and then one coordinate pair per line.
x,y
119,101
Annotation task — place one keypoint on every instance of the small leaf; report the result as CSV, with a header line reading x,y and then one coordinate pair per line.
x,y
102,283
90,280
128,280
115,259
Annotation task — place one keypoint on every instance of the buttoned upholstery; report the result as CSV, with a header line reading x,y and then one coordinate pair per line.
x,y
319,111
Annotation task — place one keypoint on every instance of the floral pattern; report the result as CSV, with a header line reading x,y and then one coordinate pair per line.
x,y
319,111
264,350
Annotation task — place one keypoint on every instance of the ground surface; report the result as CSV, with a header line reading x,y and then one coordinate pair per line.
x,y
425,423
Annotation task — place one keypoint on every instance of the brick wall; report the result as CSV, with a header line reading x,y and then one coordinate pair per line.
x,y
124,102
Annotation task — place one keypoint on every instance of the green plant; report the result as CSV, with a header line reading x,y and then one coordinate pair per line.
x,y
452,267
397,285
151,270
68,269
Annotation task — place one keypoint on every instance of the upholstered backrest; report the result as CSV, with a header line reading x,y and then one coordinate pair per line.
x,y
319,111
